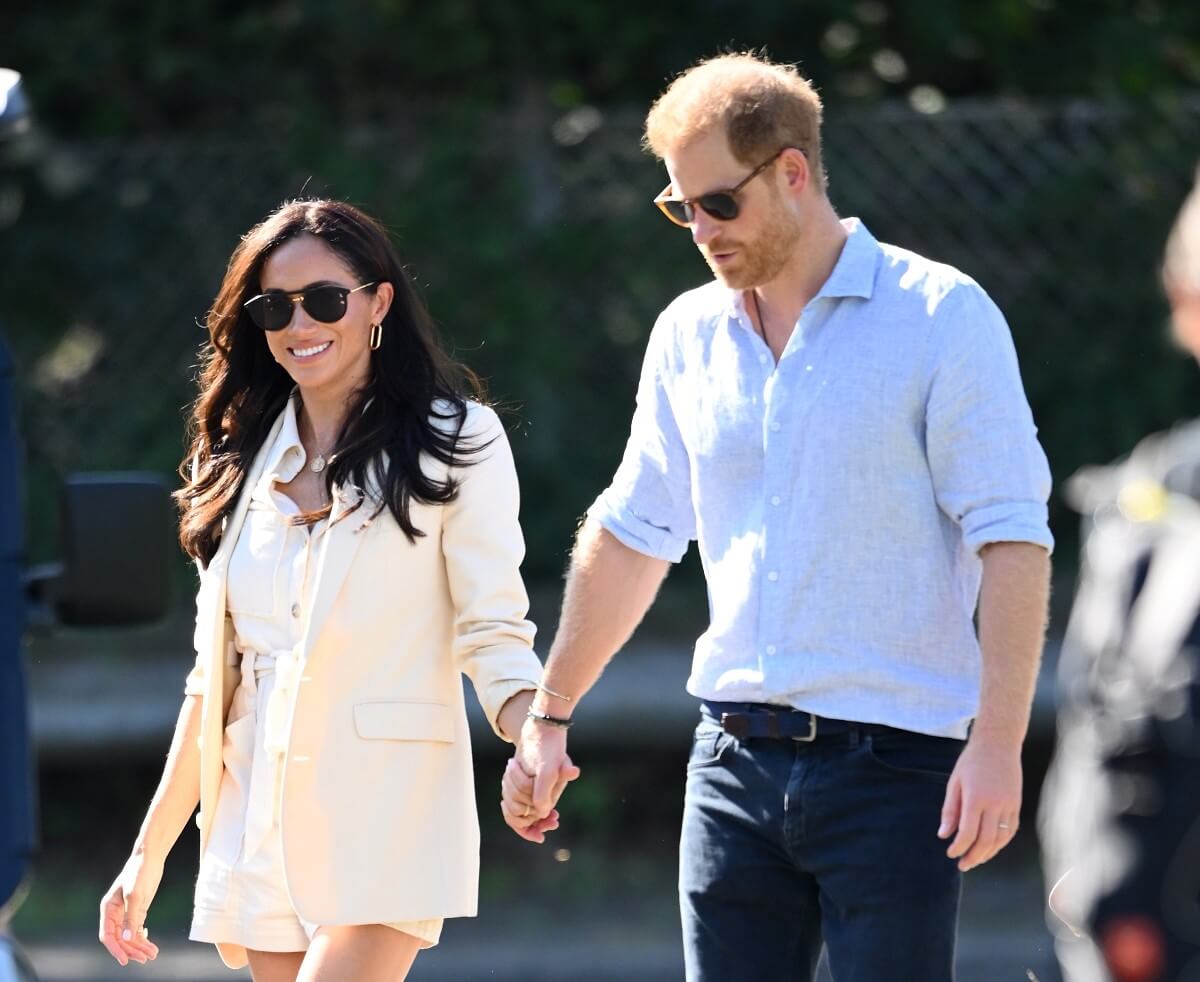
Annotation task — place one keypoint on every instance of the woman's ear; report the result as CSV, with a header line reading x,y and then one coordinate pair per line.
x,y
384,294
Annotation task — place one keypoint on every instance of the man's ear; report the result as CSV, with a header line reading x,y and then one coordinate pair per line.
x,y
797,173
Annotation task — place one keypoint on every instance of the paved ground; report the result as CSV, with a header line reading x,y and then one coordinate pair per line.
x,y
122,701
1003,937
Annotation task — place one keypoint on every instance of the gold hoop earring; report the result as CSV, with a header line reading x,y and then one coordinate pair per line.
x,y
376,338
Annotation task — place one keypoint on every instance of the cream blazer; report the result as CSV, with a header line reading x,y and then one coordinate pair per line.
x,y
378,813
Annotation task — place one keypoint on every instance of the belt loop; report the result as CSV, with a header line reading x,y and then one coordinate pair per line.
x,y
854,736
247,669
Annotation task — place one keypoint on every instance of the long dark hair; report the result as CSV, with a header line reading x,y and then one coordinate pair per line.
x,y
413,403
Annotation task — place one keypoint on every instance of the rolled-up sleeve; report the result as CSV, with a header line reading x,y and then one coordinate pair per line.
x,y
648,505
990,474
483,548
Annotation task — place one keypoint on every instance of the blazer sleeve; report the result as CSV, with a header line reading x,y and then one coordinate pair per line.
x,y
483,548
193,685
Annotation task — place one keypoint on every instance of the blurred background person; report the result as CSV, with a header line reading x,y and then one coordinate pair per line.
x,y
1121,805
353,514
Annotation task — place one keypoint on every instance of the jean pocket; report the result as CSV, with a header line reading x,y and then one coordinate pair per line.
x,y
709,744
913,755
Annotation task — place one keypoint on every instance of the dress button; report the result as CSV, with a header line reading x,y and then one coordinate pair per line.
x,y
295,610
770,649
776,500
772,576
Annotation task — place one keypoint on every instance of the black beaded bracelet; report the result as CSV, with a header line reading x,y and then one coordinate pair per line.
x,y
560,722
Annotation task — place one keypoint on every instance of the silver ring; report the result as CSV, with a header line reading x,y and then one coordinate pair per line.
x,y
1002,825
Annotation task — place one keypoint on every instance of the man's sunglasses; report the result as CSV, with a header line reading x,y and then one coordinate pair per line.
x,y
721,205
272,311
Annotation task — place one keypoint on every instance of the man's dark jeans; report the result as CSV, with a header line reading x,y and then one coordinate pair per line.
x,y
787,844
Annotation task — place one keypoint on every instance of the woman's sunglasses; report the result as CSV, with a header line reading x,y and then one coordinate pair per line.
x,y
721,205
272,311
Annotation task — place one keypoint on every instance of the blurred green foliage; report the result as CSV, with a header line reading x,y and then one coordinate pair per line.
x,y
499,142
117,67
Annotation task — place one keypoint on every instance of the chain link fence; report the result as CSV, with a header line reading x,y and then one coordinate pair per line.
x,y
532,237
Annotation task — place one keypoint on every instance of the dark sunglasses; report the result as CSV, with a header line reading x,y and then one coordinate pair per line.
x,y
721,205
272,311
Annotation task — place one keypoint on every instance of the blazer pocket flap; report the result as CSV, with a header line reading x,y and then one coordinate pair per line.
x,y
403,720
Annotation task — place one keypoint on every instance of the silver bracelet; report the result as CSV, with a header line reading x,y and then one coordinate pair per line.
x,y
551,692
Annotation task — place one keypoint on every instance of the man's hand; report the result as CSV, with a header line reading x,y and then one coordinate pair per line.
x,y
534,780
983,801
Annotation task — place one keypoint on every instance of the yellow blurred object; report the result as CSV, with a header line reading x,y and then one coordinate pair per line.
x,y
1143,501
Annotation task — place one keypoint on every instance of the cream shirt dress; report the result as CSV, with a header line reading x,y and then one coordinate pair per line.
x,y
241,892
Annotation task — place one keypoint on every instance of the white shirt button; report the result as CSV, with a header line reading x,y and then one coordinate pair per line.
x,y
808,368
774,427
772,576
770,649
295,610
776,500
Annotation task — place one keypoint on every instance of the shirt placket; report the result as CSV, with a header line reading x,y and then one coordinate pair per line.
x,y
782,397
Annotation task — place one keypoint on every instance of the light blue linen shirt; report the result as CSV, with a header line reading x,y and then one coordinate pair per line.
x,y
839,498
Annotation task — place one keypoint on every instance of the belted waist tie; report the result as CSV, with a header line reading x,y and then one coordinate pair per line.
x,y
271,677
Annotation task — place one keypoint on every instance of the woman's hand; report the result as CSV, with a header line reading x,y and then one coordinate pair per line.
x,y
123,910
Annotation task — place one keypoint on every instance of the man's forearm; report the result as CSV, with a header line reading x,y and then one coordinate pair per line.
x,y
609,589
1012,625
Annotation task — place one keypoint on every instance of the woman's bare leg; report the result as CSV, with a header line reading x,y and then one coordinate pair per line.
x,y
274,966
365,953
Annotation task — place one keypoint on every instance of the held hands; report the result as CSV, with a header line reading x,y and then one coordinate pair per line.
x,y
983,801
534,780
123,911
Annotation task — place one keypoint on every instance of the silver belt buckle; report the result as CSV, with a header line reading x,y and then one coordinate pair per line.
x,y
812,730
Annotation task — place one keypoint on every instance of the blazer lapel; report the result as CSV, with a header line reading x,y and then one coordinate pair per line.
x,y
221,677
213,578
338,549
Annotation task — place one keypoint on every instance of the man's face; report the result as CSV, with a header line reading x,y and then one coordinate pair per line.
x,y
752,248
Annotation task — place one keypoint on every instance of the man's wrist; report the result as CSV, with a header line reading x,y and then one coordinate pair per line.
x,y
548,705
547,719
998,735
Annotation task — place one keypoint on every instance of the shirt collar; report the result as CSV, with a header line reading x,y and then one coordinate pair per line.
x,y
853,274
286,456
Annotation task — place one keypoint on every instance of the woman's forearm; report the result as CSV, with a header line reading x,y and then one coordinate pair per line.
x,y
179,788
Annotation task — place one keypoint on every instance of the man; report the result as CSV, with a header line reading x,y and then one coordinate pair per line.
x,y
841,426
1120,816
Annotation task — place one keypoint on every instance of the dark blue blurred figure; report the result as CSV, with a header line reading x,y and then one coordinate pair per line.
x,y
1121,804
16,773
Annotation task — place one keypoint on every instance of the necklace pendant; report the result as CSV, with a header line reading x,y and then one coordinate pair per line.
x,y
317,464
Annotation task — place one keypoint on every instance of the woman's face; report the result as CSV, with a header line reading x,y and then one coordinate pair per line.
x,y
329,361
1185,313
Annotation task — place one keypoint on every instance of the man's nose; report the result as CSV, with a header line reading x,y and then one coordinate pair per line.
x,y
704,227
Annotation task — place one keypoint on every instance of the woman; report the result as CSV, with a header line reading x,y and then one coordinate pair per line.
x,y
354,519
